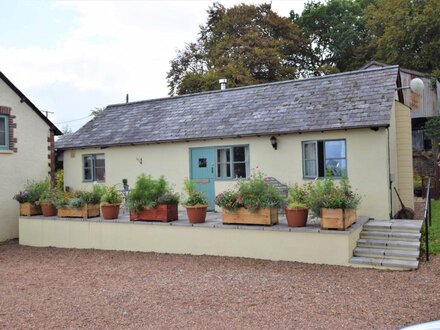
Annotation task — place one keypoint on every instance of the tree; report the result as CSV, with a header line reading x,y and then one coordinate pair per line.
x,y
66,130
432,130
337,34
406,32
95,112
247,44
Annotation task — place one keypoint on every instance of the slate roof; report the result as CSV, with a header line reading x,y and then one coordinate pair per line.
x,y
340,101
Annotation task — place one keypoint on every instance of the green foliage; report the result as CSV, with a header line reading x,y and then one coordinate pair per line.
x,y
252,194
434,230
49,196
32,191
111,196
149,192
59,178
194,197
337,34
97,111
247,44
432,130
76,203
328,193
299,196
406,33
79,198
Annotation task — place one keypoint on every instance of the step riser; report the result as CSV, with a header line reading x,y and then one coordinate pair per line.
x,y
366,245
367,255
390,238
387,263
399,230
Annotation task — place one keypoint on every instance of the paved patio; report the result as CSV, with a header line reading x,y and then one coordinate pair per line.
x,y
214,220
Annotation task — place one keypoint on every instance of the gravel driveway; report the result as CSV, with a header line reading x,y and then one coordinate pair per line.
x,y
50,288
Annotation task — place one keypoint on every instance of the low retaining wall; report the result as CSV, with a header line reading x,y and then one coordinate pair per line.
x,y
322,247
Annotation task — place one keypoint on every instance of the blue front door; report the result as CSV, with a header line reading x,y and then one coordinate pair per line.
x,y
203,172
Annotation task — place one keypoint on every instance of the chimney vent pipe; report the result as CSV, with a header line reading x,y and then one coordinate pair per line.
x,y
222,83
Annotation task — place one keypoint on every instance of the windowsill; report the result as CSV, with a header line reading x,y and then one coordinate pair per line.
x,y
6,151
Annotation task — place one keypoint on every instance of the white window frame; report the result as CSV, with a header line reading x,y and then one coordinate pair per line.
x,y
232,162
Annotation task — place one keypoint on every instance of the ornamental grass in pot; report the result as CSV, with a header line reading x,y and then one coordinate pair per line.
x,y
196,203
110,203
252,201
334,202
152,200
297,209
80,204
47,201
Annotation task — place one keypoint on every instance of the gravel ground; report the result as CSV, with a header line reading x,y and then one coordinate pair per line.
x,y
48,288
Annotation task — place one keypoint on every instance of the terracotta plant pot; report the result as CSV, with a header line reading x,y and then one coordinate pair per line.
x,y
162,212
110,211
48,209
297,217
196,214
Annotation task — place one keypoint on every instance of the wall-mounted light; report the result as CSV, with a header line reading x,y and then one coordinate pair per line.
x,y
273,142
416,85
139,160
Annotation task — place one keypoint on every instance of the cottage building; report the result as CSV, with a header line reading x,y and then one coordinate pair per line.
x,y
353,124
26,151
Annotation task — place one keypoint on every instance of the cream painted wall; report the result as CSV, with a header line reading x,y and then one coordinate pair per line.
x,y
404,154
29,163
367,163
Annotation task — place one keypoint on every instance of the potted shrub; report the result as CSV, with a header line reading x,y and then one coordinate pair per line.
x,y
80,204
28,198
153,200
196,203
297,209
110,203
47,201
252,201
335,203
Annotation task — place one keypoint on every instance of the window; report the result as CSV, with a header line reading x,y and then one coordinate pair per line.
x,y
232,162
324,159
94,167
4,132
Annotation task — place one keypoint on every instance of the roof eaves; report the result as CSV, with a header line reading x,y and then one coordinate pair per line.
x,y
384,125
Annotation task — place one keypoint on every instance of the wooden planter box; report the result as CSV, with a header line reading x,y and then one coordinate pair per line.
x,y
267,216
164,213
339,219
29,209
87,211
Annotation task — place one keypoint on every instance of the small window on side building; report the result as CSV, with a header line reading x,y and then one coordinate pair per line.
x,y
4,132
324,159
94,167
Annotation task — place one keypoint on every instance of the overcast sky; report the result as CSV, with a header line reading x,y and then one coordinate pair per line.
x,y
70,57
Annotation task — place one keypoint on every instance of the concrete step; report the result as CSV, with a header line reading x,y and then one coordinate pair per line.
x,y
386,253
391,235
385,262
389,244
410,226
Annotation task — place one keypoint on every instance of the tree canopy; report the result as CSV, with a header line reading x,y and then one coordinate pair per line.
x,y
247,44
251,44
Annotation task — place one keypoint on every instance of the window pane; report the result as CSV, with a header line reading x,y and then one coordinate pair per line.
x,y
334,149
88,161
2,131
310,168
202,162
100,162
100,174
87,173
223,155
239,154
224,170
310,150
336,167
240,170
